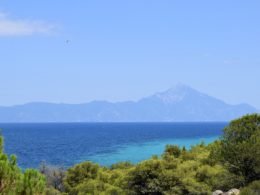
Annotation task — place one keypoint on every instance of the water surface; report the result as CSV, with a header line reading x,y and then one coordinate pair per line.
x,y
65,144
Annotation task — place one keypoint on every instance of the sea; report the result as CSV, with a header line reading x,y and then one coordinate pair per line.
x,y
66,144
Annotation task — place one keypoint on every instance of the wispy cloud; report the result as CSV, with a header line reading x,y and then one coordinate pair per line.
x,y
20,27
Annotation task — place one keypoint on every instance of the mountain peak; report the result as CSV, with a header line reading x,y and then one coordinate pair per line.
x,y
175,94
178,103
180,87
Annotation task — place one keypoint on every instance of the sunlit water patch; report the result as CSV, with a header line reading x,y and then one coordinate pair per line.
x,y
137,152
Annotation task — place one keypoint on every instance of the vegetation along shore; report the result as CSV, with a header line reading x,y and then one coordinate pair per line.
x,y
231,162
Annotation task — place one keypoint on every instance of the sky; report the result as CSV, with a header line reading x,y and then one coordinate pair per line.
x,y
78,51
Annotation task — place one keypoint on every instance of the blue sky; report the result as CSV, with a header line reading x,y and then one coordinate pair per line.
x,y
125,50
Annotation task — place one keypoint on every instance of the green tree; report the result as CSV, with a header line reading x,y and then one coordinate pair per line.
x,y
9,174
252,189
145,178
33,183
240,147
173,150
79,174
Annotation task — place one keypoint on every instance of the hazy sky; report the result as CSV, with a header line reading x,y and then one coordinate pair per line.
x,y
81,50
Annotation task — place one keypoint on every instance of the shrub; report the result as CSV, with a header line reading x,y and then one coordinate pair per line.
x,y
80,173
251,189
172,150
240,147
144,178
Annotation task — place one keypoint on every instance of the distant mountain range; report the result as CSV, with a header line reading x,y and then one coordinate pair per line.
x,y
180,103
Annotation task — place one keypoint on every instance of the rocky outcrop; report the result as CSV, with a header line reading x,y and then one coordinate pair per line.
x,y
217,192
233,191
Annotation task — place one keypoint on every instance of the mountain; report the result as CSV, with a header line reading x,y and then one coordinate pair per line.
x,y
180,103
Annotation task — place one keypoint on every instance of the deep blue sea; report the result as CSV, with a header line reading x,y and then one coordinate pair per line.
x,y
65,144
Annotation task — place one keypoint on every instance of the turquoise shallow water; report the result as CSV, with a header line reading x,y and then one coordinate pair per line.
x,y
137,152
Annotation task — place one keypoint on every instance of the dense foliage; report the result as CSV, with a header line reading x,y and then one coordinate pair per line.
x,y
231,162
240,147
252,189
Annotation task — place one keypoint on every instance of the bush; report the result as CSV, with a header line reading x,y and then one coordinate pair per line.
x,y
52,191
172,150
79,174
33,183
240,147
251,189
145,177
